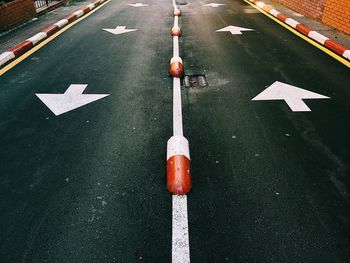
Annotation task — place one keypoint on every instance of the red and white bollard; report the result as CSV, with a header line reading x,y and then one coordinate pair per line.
x,y
176,31
176,69
178,166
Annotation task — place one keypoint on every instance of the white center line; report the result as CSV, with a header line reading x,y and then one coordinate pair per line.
x,y
181,249
180,236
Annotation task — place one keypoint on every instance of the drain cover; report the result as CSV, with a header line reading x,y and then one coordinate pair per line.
x,y
181,2
190,81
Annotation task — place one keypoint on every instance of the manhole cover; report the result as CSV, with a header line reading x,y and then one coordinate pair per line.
x,y
190,81
181,2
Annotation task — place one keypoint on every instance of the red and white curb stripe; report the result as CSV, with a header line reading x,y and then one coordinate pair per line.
x,y
319,38
26,45
178,157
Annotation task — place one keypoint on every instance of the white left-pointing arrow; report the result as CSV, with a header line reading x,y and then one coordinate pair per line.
x,y
235,30
119,30
73,98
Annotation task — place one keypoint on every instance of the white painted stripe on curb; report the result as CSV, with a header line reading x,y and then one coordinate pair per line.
x,y
61,23
260,4
293,23
180,237
91,6
177,108
176,50
37,38
78,13
274,12
346,54
178,145
318,37
6,56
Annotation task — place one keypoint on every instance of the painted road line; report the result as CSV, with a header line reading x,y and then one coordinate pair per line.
x,y
174,5
180,236
176,51
177,108
302,32
43,43
178,157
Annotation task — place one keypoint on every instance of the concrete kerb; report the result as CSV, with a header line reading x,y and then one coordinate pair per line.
x,y
29,43
332,45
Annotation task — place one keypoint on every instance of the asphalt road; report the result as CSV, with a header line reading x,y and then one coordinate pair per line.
x,y
269,184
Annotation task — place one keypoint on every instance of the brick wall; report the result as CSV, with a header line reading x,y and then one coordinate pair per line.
x,y
335,13
309,8
16,12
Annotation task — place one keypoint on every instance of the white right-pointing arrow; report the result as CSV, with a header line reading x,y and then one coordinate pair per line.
x,y
70,100
235,30
292,95
118,30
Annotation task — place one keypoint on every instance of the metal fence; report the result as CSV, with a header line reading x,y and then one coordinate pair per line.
x,y
41,3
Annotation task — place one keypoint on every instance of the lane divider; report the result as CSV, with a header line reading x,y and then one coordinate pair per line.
x,y
332,45
178,156
28,44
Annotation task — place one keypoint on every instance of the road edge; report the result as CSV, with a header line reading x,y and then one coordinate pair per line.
x,y
329,46
45,33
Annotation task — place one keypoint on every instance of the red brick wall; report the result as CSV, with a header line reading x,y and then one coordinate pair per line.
x,y
337,14
309,8
16,12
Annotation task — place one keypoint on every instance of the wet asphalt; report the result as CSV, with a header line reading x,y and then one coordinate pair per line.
x,y
269,184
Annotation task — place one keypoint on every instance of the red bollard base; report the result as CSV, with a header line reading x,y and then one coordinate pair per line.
x,y
176,32
176,69
178,175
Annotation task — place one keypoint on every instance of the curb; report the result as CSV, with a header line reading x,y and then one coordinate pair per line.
x,y
337,48
29,43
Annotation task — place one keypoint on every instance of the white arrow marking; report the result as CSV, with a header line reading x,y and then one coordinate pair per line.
x,y
292,95
235,30
213,4
118,30
70,100
138,5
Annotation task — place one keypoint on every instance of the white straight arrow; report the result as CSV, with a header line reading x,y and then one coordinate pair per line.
x,y
292,95
138,5
235,30
118,30
213,4
70,100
